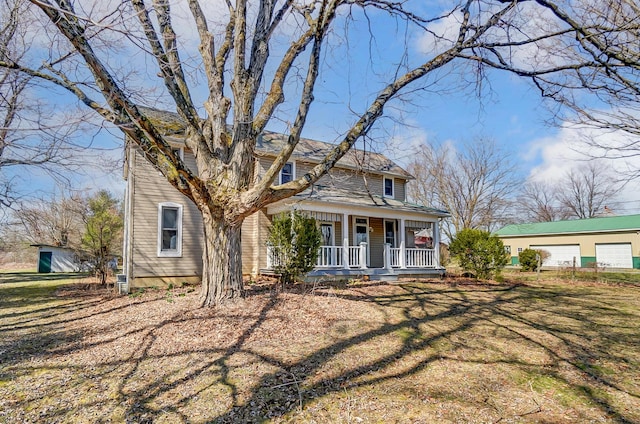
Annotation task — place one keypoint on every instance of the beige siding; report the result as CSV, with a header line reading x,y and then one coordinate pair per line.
x,y
249,243
151,189
263,225
400,189
376,241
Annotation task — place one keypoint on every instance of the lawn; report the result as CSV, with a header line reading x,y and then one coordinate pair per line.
x,y
410,352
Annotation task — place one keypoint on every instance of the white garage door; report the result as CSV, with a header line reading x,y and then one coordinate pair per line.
x,y
561,254
614,255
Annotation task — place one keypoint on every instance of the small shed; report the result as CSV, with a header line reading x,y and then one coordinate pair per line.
x,y
56,259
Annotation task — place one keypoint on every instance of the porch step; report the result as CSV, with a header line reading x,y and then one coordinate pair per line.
x,y
382,277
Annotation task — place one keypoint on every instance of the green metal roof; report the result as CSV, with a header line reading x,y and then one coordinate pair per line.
x,y
591,225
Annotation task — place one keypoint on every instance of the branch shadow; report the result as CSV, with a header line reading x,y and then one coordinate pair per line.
x,y
251,383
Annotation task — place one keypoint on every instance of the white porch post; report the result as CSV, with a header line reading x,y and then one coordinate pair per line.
x,y
436,244
403,245
363,255
387,256
345,241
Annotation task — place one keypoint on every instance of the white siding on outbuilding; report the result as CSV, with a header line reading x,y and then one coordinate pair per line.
x,y
56,259
560,254
614,255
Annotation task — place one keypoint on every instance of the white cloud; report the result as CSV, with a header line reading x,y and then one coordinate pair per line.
x,y
570,149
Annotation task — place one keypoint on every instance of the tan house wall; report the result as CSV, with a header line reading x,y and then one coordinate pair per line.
x,y
376,241
345,179
150,189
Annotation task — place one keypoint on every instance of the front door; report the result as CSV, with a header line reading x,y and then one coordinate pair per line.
x,y
361,233
390,233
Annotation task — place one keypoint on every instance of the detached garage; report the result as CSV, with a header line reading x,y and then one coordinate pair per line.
x,y
611,242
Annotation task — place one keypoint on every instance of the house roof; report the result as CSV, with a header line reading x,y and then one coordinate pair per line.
x,y
591,225
270,143
337,196
314,151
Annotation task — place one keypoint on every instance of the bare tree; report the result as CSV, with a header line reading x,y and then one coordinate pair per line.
x,y
57,220
34,134
262,51
596,87
539,202
474,184
586,191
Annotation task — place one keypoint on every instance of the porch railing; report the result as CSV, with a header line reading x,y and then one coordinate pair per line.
x,y
395,253
420,258
328,257
332,257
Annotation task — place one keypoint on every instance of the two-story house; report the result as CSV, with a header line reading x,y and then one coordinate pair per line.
x,y
367,226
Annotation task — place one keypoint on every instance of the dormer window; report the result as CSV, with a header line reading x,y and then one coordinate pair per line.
x,y
388,187
286,174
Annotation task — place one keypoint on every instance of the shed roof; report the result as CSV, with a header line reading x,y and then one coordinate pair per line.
x,y
591,225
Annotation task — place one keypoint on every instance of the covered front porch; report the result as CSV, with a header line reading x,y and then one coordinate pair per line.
x,y
381,242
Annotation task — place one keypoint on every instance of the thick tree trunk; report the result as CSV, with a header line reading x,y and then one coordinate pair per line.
x,y
221,261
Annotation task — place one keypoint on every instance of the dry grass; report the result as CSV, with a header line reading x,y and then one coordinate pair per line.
x,y
413,352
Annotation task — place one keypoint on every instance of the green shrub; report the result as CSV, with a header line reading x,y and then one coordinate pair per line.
x,y
294,240
479,252
528,259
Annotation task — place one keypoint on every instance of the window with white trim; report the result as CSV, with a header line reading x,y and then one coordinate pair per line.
x,y
287,172
169,229
388,187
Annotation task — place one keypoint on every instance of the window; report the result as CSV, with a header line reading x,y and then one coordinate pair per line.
x,y
178,151
519,249
286,174
507,250
388,187
169,229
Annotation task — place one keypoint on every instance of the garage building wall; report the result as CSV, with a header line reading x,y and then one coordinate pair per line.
x,y
587,244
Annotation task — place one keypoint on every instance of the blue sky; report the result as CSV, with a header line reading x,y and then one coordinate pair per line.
x,y
449,110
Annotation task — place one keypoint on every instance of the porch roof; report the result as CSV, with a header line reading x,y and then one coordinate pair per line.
x,y
338,197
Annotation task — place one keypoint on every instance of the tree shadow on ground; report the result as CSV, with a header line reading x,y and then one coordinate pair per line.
x,y
230,370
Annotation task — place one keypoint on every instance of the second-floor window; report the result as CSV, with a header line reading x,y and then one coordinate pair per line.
x,y
286,174
388,187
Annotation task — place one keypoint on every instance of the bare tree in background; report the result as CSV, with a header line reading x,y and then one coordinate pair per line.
x,y
539,202
474,184
252,55
57,220
586,191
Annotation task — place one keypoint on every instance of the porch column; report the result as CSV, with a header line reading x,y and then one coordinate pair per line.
x,y
345,241
387,256
436,244
363,255
403,245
